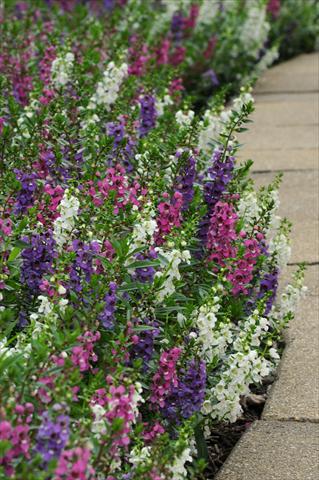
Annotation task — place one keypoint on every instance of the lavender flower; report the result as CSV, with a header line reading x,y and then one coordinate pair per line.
x,y
123,145
145,274
74,162
83,264
212,77
37,260
52,436
48,158
116,130
109,5
144,348
147,114
22,319
188,397
269,284
127,153
185,181
177,24
220,174
25,196
50,167
110,299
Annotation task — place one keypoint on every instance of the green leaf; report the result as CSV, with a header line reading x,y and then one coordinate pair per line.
x,y
201,445
143,328
5,445
14,253
163,259
144,264
128,287
21,244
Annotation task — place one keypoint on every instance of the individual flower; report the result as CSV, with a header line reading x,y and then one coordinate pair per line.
x,y
107,316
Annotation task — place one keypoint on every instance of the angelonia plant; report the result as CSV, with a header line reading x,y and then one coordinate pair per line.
x,y
139,267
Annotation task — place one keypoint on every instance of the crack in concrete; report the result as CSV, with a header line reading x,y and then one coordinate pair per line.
x,y
289,420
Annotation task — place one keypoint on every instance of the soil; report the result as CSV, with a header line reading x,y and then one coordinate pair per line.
x,y
224,437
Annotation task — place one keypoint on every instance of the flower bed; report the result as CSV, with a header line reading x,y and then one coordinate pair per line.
x,y
139,267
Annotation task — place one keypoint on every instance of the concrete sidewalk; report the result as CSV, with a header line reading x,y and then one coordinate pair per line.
x,y
284,444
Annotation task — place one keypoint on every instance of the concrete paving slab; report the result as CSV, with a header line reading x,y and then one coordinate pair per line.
x,y
280,159
284,96
312,279
299,202
275,451
263,137
303,331
297,75
294,109
295,395
304,242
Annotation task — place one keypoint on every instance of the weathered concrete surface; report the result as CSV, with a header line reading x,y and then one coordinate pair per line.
x,y
299,203
286,110
281,136
285,132
275,451
295,395
281,159
297,75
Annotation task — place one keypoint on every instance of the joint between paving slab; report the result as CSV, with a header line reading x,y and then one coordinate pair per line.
x,y
273,418
284,170
284,92
307,264
282,149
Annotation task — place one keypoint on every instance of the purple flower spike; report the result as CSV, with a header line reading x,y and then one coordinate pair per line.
x,y
188,396
185,182
25,196
147,114
52,436
269,284
107,316
37,260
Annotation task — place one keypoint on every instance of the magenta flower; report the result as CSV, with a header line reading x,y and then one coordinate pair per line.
x,y
74,465
83,354
166,377
169,217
